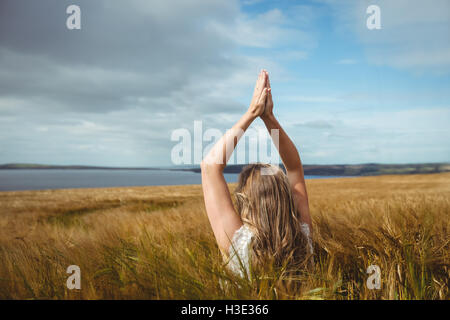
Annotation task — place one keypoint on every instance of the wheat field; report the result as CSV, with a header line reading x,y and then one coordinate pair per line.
x,y
156,243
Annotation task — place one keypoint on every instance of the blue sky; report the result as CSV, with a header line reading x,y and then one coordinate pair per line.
x,y
113,92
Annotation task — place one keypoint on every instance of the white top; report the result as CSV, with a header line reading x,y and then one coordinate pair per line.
x,y
240,248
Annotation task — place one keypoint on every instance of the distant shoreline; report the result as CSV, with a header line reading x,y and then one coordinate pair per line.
x,y
368,169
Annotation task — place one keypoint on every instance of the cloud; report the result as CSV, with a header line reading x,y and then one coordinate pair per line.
x,y
251,2
269,29
347,61
112,92
312,99
414,34
390,136
315,124
131,75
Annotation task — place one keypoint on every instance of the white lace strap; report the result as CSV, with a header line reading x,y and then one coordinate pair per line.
x,y
239,251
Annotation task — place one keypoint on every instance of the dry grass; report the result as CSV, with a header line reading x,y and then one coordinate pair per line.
x,y
156,243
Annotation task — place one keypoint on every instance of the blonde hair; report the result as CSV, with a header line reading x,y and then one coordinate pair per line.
x,y
266,204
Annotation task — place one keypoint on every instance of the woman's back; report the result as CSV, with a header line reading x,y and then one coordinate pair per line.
x,y
240,249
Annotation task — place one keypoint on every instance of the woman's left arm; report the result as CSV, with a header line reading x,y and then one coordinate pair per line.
x,y
219,206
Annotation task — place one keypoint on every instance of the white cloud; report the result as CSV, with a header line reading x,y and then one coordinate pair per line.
x,y
419,135
72,98
313,99
133,73
347,61
415,34
266,30
250,2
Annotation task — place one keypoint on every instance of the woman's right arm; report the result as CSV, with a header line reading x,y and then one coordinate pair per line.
x,y
291,160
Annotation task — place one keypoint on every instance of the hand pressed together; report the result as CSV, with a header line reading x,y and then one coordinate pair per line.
x,y
260,94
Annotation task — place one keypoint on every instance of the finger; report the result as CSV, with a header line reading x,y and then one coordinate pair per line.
x,y
259,82
263,80
263,76
268,81
263,96
269,96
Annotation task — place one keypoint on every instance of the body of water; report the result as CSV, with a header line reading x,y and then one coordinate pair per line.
x,y
38,179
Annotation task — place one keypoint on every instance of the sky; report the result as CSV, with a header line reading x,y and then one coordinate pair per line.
x,y
113,92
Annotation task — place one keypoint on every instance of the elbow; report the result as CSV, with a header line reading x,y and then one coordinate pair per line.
x,y
209,166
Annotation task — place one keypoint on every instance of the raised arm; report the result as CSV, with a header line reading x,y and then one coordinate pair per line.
x,y
219,207
291,160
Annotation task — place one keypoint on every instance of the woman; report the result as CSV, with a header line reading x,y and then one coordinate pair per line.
x,y
272,221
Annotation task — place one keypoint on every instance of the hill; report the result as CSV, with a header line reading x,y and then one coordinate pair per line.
x,y
369,169
339,170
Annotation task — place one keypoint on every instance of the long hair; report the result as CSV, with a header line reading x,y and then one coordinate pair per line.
x,y
266,204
